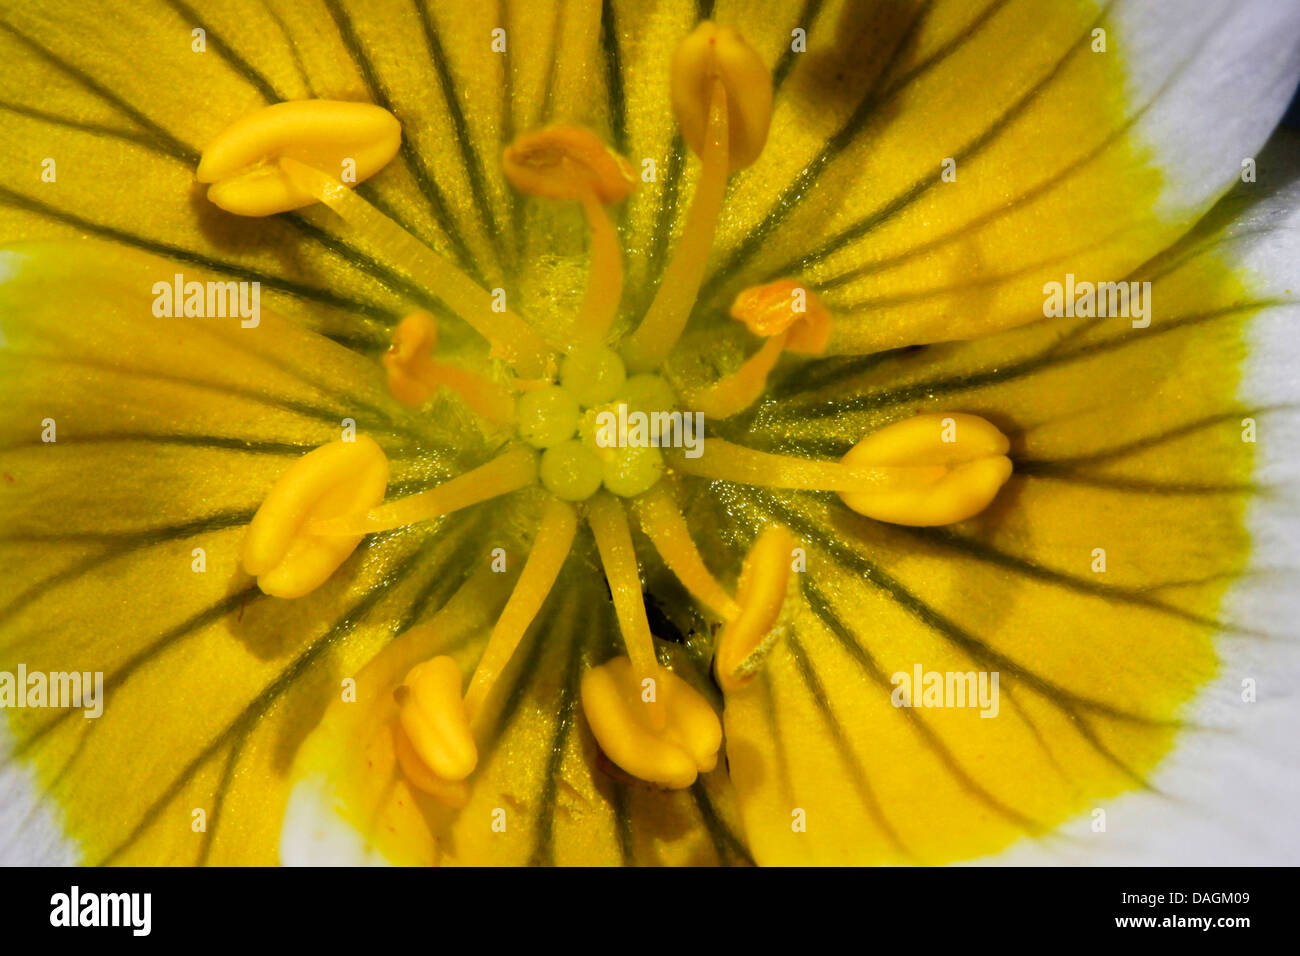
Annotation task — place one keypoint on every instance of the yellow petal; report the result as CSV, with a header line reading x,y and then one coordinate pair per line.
x,y
1092,587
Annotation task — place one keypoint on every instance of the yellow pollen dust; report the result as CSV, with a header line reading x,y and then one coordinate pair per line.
x,y
761,593
960,463
282,548
347,141
617,699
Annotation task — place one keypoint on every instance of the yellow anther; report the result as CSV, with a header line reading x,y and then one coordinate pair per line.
x,y
413,375
616,702
961,464
348,141
567,162
710,52
283,550
453,793
764,579
785,307
433,717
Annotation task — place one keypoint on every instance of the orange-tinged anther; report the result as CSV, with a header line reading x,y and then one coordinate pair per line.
x,y
409,359
413,375
960,464
714,51
761,593
670,752
785,306
567,162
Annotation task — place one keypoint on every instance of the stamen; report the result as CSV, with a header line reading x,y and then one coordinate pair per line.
x,y
761,594
433,718
284,549
413,376
787,307
967,453
614,542
725,461
662,521
734,393
722,97
509,472
566,162
662,325
241,163
672,753
512,339
790,317
545,558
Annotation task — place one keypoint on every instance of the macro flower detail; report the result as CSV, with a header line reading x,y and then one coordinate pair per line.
x,y
641,442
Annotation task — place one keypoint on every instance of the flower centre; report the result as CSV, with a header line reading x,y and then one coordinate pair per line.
x,y
581,416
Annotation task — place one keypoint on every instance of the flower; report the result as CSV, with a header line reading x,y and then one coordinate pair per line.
x,y
359,568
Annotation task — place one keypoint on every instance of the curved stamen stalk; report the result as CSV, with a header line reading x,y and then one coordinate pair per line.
x,y
605,279
511,471
572,164
614,541
512,339
735,392
414,376
658,332
661,519
485,398
726,461
545,558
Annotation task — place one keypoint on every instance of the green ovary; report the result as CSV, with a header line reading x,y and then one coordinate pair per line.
x,y
564,420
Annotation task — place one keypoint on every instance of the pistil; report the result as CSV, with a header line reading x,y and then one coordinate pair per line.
x,y
567,162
